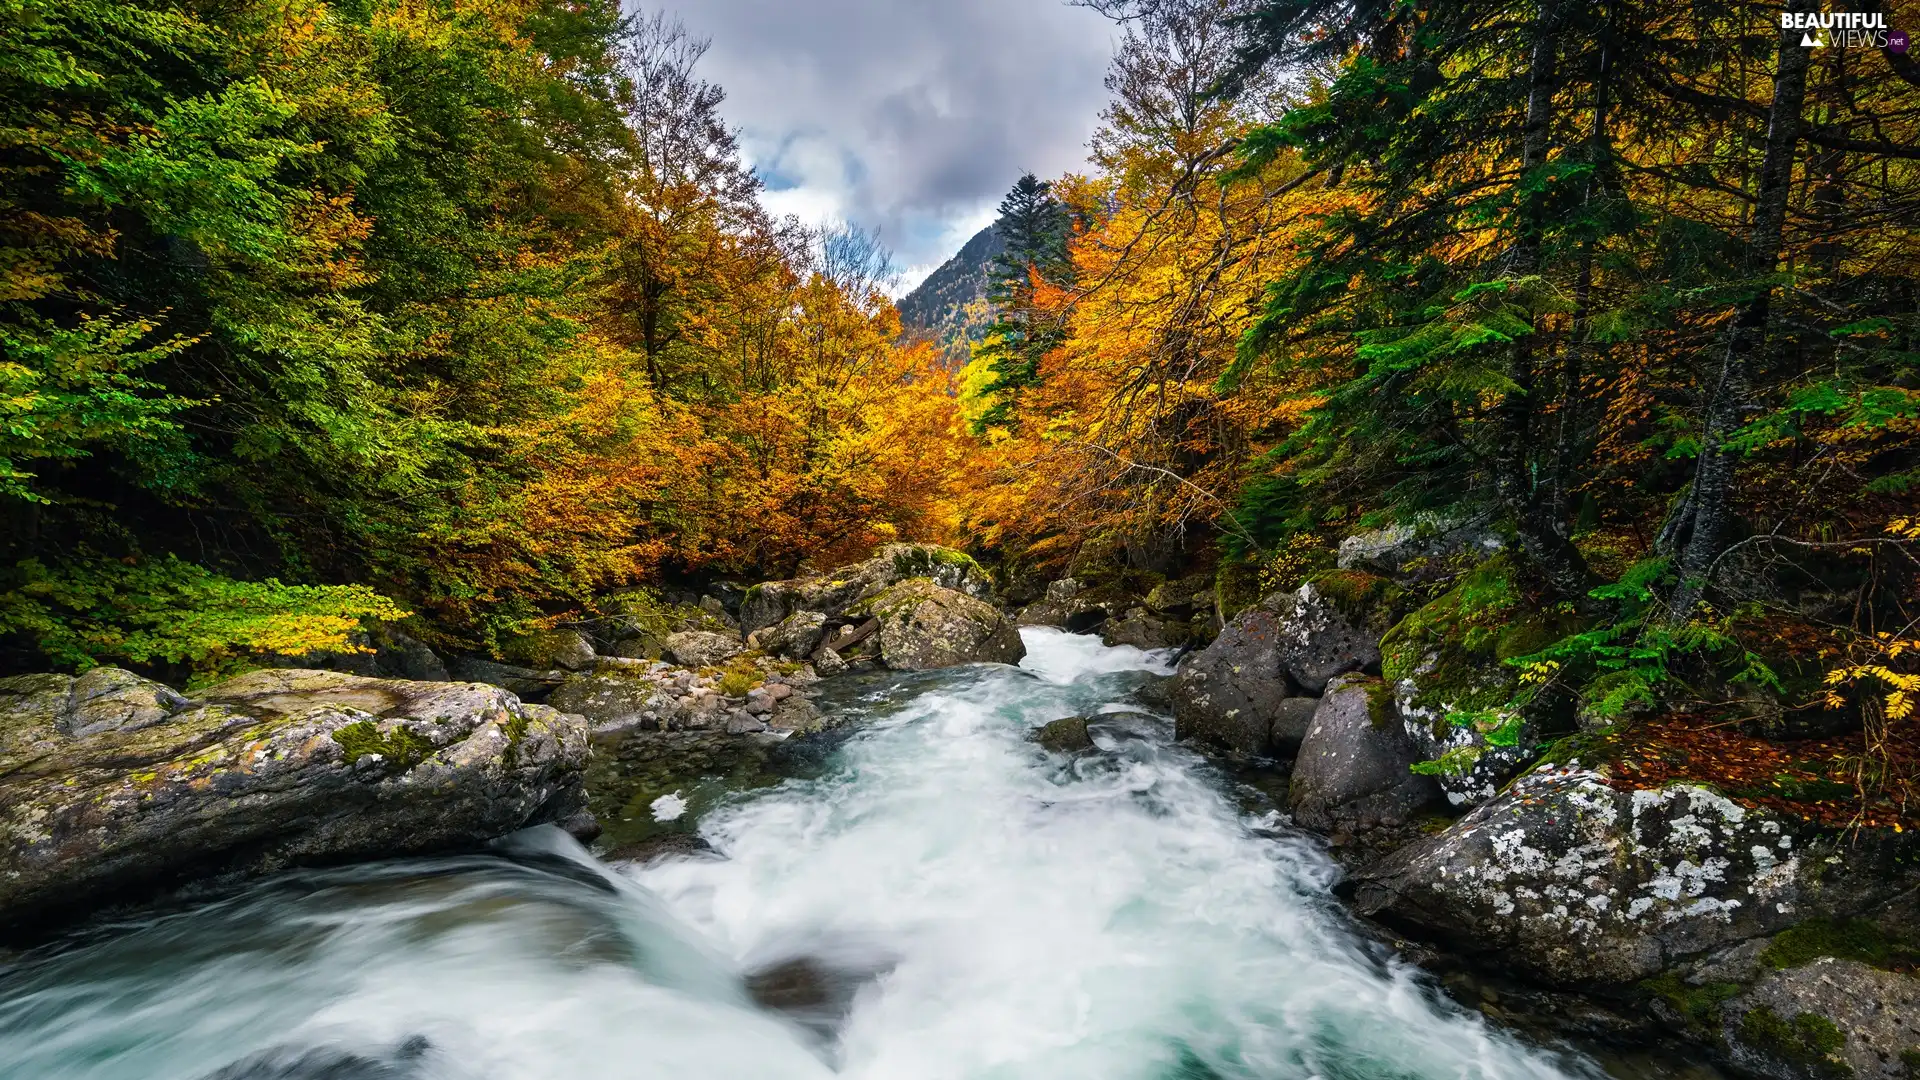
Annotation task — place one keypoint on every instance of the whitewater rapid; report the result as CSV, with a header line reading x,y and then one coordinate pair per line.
x,y
975,907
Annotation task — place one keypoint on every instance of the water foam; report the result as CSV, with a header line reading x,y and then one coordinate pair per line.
x,y
1003,912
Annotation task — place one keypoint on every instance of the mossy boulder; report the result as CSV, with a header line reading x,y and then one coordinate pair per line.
x,y
1447,664
1063,736
1829,1018
924,625
112,786
548,649
834,594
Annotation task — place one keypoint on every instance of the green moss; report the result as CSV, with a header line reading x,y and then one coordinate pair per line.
x,y
1700,1005
516,730
1524,637
1910,1057
1809,1039
1852,939
1370,600
917,561
400,748
1236,587
1380,705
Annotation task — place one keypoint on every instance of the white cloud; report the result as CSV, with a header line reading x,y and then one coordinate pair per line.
x,y
911,116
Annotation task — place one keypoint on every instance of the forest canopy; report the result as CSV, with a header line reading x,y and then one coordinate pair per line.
x,y
316,312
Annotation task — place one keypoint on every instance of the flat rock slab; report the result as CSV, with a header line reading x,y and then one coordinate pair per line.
x,y
106,794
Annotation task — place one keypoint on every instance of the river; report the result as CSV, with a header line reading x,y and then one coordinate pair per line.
x,y
940,900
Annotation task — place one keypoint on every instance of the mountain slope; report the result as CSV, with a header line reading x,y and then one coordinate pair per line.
x,y
951,304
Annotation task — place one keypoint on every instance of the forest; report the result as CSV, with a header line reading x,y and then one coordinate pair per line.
x,y
466,316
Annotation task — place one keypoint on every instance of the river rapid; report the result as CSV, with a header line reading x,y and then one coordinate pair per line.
x,y
941,900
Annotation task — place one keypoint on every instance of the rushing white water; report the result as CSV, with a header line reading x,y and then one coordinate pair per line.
x,y
948,901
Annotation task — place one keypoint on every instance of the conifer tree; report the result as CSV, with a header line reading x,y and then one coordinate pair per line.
x,y
1034,226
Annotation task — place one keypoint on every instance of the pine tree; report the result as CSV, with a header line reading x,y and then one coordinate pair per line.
x,y
1034,226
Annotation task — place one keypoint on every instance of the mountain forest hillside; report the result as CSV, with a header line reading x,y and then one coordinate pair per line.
x,y
951,304
469,318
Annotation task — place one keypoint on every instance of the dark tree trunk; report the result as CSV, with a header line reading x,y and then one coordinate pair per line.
x,y
1713,482
1537,516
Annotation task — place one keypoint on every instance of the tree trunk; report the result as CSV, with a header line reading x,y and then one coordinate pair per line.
x,y
1713,480
1536,515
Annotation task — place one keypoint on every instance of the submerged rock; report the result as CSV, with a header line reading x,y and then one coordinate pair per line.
x,y
1352,775
1065,735
925,626
275,768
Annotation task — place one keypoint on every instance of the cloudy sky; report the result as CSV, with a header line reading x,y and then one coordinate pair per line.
x,y
910,116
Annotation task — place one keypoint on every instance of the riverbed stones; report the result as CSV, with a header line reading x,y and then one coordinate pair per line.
x,y
1352,776
924,626
275,768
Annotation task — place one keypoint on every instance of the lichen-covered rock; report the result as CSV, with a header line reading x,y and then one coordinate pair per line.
x,y
1067,605
1316,641
1065,735
1577,883
1352,775
1829,1018
834,594
1399,548
924,625
548,649
1448,664
275,768
703,648
795,636
1141,629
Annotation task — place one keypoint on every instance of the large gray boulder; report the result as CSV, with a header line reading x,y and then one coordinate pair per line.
x,y
835,594
703,648
1068,605
1315,641
1233,692
1353,774
924,626
794,637
1229,692
111,785
1401,548
1575,882
1830,1017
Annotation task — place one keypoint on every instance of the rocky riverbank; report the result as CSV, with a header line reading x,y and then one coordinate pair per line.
x,y
1576,859
115,787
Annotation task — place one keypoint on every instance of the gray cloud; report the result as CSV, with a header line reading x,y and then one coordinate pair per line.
x,y
911,116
